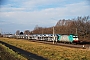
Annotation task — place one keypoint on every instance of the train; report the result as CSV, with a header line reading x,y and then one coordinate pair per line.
x,y
68,38
71,38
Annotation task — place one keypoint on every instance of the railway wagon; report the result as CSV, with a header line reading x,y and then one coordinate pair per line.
x,y
67,38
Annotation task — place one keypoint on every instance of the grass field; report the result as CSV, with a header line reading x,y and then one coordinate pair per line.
x,y
8,54
51,52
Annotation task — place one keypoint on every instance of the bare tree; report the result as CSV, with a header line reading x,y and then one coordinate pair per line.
x,y
83,26
80,26
27,32
18,32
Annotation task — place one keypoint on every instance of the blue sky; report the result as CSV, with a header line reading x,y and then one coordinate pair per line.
x,y
26,14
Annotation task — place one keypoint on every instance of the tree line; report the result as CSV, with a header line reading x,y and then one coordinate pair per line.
x,y
79,26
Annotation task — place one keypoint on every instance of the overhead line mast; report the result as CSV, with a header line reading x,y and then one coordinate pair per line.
x,y
53,35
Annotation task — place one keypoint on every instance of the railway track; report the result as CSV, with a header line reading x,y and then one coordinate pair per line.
x,y
86,46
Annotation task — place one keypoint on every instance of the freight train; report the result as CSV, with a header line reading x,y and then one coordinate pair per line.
x,y
48,37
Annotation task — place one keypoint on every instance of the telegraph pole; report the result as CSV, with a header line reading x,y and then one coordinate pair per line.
x,y
76,31
42,34
53,35
0,31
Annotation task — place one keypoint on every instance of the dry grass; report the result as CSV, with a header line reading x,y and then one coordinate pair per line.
x,y
50,52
